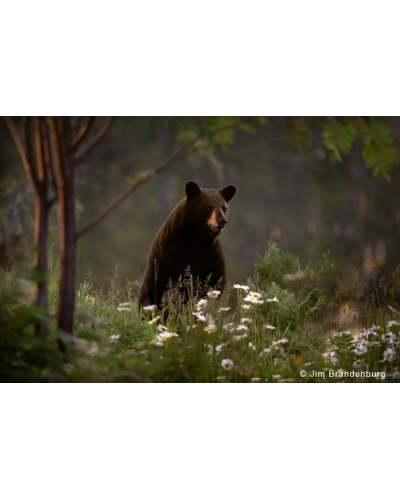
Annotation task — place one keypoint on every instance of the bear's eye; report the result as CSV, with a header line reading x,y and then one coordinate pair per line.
x,y
209,209
224,209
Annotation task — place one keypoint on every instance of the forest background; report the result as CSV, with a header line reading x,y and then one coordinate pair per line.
x,y
288,188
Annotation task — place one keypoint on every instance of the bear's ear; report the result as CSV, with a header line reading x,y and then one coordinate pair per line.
x,y
228,192
192,190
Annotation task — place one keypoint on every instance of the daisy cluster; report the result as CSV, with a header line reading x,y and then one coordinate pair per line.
x,y
364,342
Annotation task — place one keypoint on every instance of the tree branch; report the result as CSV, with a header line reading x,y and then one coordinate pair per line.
x,y
83,132
141,178
48,160
25,155
95,139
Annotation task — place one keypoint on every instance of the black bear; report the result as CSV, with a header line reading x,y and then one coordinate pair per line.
x,y
188,238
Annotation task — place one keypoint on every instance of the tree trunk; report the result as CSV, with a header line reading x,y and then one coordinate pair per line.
x,y
42,258
67,224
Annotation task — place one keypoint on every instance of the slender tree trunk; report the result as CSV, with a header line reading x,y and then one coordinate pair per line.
x,y
67,224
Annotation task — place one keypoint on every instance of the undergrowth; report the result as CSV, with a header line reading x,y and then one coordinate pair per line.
x,y
280,326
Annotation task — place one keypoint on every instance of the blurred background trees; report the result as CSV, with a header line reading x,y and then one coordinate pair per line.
x,y
314,184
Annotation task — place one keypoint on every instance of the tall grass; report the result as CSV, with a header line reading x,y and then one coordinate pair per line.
x,y
280,326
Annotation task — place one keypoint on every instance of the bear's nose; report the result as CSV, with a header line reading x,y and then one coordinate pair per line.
x,y
222,223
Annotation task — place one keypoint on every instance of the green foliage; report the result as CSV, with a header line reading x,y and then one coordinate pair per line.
x,y
299,294
339,136
275,265
265,331
24,357
378,152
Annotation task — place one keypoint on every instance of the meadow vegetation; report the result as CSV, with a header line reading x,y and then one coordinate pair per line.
x,y
279,326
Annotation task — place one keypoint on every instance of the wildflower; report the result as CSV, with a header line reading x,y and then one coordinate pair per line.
x,y
236,338
276,376
149,308
265,351
392,323
199,316
201,303
346,332
255,379
273,300
246,320
330,356
162,328
166,335
125,304
114,337
210,328
214,294
124,309
243,287
269,327
210,349
153,320
395,374
219,347
252,297
220,378
226,364
223,309
388,355
251,346
360,349
246,306
242,327
229,326
93,350
392,309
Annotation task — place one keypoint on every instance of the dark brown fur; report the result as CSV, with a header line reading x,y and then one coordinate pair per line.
x,y
188,237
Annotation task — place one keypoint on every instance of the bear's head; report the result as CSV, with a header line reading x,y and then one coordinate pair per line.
x,y
207,209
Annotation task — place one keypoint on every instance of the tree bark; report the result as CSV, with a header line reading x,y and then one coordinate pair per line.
x,y
67,224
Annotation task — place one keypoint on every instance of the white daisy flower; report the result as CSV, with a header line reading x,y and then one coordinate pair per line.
x,y
227,364
201,303
124,309
243,287
219,347
153,320
210,328
269,327
223,309
252,296
214,294
255,379
388,355
114,337
149,308
273,300
246,306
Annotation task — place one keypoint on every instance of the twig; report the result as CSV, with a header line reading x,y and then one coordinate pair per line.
x,y
95,139
83,132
